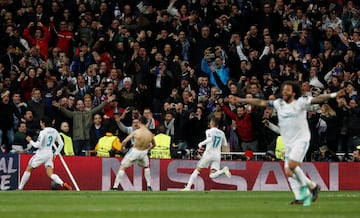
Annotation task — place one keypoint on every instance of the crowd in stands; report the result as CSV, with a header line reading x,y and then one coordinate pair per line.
x,y
87,63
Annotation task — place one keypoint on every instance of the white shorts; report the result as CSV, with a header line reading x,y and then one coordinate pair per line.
x,y
135,155
209,160
296,151
38,159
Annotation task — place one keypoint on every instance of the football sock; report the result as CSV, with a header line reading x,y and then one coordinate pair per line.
x,y
24,179
216,174
300,175
147,176
118,178
310,183
192,178
56,179
295,187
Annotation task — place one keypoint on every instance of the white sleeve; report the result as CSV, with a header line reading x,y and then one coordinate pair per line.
x,y
207,140
224,142
274,127
60,142
40,138
304,102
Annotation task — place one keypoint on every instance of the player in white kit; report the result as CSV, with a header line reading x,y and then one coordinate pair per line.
x,y
215,138
44,155
292,111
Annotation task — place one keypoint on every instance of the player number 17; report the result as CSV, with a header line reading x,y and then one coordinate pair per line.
x,y
216,141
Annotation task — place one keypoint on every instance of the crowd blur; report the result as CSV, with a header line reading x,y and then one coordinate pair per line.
x,y
176,62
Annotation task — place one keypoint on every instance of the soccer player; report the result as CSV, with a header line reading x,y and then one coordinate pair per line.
x,y
292,110
215,138
44,155
143,142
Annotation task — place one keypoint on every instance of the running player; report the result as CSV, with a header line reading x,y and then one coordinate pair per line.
x,y
44,155
292,114
215,138
143,142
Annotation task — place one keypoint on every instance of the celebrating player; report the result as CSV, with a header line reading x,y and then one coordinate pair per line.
x,y
144,141
215,138
292,110
44,155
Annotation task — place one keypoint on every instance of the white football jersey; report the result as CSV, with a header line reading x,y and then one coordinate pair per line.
x,y
293,119
215,138
46,141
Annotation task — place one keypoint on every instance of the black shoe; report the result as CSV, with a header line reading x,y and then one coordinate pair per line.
x,y
149,188
315,192
296,202
113,189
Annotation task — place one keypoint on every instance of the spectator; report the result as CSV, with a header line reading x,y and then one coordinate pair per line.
x,y
109,144
32,126
68,149
245,125
353,129
82,60
37,105
41,38
356,155
29,82
97,130
163,143
20,137
82,121
6,121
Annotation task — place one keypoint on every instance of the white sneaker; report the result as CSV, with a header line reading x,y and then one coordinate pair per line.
x,y
186,189
227,172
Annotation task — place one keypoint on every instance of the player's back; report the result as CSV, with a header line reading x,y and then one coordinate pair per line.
x,y
143,138
47,138
217,140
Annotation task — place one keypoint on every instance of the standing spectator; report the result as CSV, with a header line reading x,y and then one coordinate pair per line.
x,y
83,60
6,121
65,38
151,123
37,104
32,126
81,88
82,121
127,96
245,125
41,38
97,130
68,142
109,144
353,127
19,108
202,42
219,74
20,136
29,82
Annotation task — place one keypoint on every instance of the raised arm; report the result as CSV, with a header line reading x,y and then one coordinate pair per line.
x,y
323,97
252,101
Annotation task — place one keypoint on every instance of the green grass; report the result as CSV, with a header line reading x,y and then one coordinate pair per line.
x,y
214,204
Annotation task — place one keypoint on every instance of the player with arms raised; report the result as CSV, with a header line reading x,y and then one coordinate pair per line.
x,y
215,138
292,114
44,155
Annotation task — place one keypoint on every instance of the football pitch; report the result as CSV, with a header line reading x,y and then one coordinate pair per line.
x,y
216,204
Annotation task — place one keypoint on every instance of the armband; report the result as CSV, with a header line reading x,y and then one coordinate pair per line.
x,y
333,95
